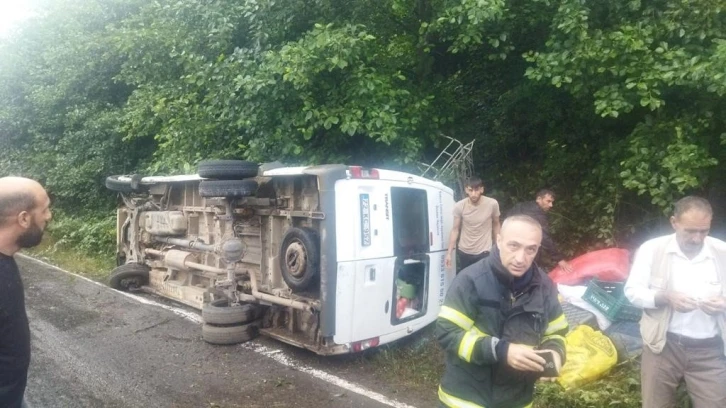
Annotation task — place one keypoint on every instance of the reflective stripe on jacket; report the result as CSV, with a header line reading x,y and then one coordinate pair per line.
x,y
479,310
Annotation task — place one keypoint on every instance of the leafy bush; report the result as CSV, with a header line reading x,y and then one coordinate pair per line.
x,y
620,388
93,234
617,106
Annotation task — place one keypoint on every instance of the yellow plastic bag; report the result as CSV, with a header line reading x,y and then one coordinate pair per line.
x,y
590,355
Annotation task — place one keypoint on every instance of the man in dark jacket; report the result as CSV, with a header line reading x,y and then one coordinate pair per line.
x,y
24,213
499,318
538,210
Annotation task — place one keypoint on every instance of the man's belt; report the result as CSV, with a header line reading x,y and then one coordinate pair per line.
x,y
695,343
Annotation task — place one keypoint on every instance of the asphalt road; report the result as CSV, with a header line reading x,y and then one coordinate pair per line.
x,y
95,347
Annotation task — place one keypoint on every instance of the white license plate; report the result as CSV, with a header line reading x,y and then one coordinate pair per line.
x,y
365,219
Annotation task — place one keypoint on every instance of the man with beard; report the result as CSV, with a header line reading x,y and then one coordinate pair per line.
x,y
538,210
24,214
680,280
476,225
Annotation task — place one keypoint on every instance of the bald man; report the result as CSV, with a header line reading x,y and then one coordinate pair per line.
x,y
24,214
500,324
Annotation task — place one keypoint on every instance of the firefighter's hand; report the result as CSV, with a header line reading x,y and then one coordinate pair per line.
x,y
447,262
566,267
713,305
523,358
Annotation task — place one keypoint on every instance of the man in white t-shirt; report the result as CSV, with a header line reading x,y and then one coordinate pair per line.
x,y
680,281
476,225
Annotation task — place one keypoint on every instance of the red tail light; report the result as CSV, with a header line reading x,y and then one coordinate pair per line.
x,y
366,344
358,172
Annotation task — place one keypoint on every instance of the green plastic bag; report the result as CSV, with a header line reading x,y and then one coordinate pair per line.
x,y
590,355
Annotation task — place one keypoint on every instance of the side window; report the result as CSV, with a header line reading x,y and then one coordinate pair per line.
x,y
409,212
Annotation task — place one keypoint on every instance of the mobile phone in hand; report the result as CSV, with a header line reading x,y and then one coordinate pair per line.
x,y
550,367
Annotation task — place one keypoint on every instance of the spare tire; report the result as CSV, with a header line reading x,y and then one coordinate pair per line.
x,y
128,277
300,258
122,186
225,335
227,169
220,311
227,188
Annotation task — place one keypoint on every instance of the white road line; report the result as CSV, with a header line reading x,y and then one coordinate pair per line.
x,y
274,354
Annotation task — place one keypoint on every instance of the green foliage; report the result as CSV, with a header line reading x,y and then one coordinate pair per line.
x,y
663,168
223,93
59,106
618,106
620,388
463,23
92,235
628,54
632,58
364,99
415,363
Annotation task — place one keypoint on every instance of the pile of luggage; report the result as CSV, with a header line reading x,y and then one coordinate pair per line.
x,y
604,328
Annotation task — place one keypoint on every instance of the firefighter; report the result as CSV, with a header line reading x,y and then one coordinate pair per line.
x,y
499,321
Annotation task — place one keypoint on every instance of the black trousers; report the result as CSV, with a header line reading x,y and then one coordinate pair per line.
x,y
468,259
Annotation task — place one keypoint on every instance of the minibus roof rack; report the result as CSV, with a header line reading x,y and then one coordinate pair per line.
x,y
454,165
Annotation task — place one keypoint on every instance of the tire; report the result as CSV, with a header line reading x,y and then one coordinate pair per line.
x,y
128,277
227,169
133,186
300,258
226,335
220,312
227,188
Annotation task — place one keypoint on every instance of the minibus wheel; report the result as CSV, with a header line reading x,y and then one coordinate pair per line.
x,y
227,169
230,334
227,188
220,311
299,258
129,276
123,186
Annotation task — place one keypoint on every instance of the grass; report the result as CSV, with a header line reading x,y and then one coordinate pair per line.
x,y
63,255
415,363
618,388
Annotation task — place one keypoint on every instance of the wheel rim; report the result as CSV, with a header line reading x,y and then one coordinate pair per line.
x,y
296,259
131,283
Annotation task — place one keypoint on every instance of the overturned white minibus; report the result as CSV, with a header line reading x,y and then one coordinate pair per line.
x,y
332,258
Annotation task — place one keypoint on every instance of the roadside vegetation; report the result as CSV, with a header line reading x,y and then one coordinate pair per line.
x,y
80,246
618,106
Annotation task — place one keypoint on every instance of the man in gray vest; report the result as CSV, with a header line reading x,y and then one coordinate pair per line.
x,y
680,281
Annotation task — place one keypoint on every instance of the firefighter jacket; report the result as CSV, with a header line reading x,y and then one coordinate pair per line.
x,y
485,307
